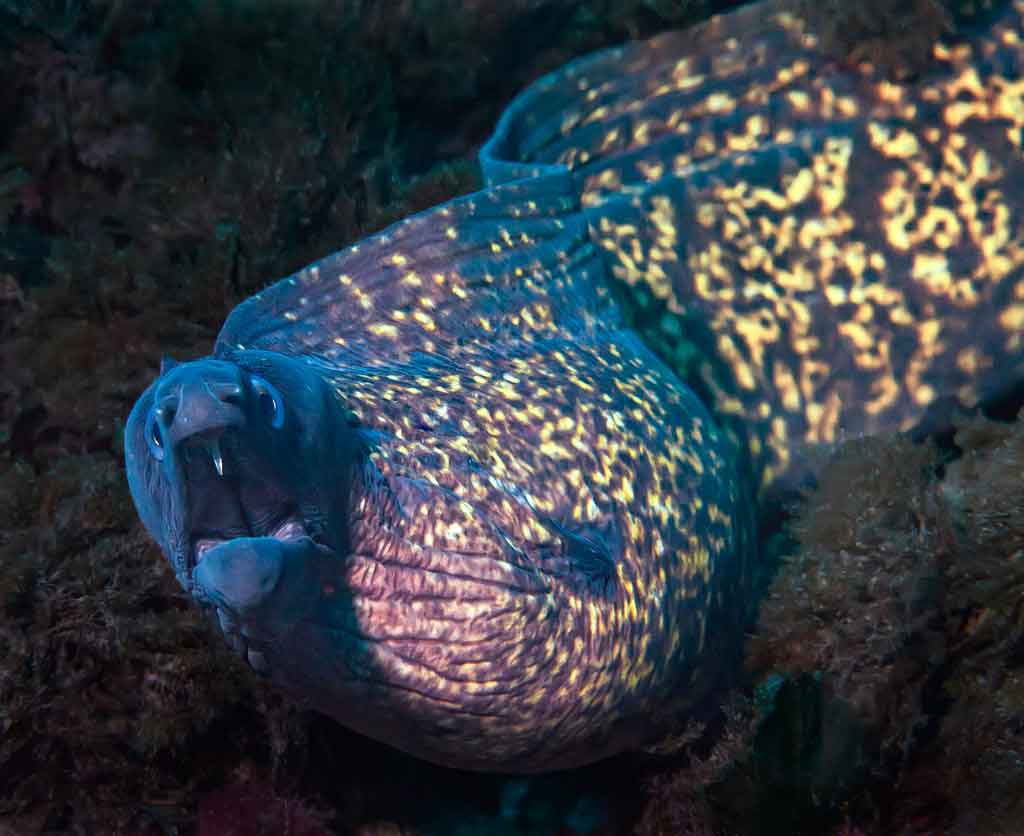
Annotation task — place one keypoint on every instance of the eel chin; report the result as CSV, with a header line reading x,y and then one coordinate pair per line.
x,y
250,550
261,588
291,530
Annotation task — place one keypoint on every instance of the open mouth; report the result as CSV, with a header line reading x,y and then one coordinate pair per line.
x,y
232,493
291,529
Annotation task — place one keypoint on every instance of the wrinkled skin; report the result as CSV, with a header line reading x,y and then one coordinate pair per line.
x,y
498,638
537,542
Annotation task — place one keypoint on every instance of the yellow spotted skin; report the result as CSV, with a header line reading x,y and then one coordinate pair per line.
x,y
548,547
551,543
587,437
847,251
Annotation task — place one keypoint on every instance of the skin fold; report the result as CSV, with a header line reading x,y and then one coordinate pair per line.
x,y
436,485
459,626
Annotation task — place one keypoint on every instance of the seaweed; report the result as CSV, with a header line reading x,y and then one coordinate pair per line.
x,y
981,736
859,601
104,669
684,800
894,35
905,598
888,658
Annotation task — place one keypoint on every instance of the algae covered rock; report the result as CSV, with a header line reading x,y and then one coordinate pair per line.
x,y
905,598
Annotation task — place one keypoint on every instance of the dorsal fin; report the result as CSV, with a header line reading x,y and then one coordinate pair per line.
x,y
512,262
846,253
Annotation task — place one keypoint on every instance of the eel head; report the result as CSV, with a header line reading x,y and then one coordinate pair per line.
x,y
238,468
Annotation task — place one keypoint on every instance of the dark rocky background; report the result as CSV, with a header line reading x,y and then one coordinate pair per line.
x,y
162,159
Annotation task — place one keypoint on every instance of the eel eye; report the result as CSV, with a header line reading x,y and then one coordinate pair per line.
x,y
270,401
154,435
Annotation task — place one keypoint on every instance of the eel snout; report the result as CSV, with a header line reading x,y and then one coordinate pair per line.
x,y
198,405
201,410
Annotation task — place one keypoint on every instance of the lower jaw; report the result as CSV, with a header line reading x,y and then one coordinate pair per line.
x,y
291,528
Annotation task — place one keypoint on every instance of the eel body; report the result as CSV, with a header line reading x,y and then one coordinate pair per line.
x,y
438,487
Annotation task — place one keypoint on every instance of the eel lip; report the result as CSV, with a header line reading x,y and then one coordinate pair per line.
x,y
201,547
291,528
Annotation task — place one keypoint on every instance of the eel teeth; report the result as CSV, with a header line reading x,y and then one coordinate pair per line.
x,y
213,448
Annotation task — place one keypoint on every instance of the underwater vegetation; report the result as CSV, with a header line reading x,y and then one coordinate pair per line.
x,y
887,661
896,36
153,173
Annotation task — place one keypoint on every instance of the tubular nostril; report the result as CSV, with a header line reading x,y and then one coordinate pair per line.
x,y
203,409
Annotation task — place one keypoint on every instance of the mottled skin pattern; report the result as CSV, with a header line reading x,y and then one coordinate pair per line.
x,y
848,251
435,487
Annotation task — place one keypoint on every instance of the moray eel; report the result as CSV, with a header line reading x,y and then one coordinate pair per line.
x,y
438,487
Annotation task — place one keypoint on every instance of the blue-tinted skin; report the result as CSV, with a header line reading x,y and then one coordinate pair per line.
x,y
285,455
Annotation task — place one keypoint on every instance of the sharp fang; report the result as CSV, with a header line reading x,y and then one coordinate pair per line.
x,y
213,447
